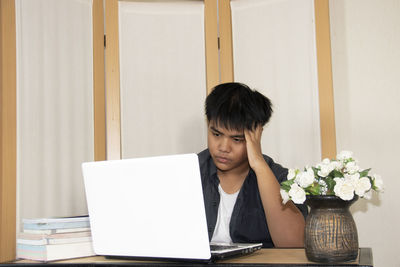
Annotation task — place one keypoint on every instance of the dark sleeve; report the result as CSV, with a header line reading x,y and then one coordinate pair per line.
x,y
279,171
281,175
203,163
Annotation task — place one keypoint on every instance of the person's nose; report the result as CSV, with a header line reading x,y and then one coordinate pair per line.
x,y
224,145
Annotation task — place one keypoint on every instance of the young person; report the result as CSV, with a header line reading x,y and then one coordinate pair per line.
x,y
241,186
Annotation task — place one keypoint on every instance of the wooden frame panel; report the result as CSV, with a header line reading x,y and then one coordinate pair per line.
x,y
219,47
113,120
211,40
8,130
98,81
325,84
225,36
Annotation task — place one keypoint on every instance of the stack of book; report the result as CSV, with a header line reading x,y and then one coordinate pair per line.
x,y
49,239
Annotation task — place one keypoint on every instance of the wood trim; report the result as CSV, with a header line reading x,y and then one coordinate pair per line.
x,y
98,81
325,84
8,131
225,35
113,121
211,44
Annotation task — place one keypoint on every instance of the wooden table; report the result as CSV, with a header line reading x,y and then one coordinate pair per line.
x,y
264,257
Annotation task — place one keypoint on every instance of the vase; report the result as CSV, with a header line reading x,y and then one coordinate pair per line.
x,y
330,231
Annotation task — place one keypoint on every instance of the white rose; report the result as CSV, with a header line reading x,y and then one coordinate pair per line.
x,y
362,185
352,167
325,170
285,196
297,194
326,167
291,174
344,188
305,179
326,161
336,165
344,155
378,182
352,178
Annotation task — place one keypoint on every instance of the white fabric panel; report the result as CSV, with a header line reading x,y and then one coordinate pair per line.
x,y
274,52
54,105
163,82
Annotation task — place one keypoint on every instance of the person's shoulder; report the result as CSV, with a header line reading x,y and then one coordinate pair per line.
x,y
279,171
204,155
269,160
206,164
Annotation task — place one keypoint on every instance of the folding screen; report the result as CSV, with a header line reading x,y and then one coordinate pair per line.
x,y
54,57
274,51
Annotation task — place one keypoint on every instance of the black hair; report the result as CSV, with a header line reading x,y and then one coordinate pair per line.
x,y
235,106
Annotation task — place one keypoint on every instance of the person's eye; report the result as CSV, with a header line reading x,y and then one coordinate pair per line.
x,y
216,134
238,140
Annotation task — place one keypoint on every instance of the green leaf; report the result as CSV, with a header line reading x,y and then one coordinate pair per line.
x,y
330,183
285,185
364,172
336,173
373,186
314,189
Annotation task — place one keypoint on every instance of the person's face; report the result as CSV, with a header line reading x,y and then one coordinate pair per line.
x,y
227,148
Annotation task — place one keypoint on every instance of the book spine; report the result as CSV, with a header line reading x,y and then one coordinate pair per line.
x,y
37,242
56,220
54,241
48,226
56,231
39,232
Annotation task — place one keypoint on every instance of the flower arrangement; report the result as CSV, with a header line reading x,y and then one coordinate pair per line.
x,y
341,177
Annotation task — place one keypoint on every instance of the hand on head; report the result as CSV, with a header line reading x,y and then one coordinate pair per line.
x,y
253,145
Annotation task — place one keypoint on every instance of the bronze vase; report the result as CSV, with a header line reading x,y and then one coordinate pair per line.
x,y
330,232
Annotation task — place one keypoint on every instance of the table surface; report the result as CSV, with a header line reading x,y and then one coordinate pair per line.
x,y
265,257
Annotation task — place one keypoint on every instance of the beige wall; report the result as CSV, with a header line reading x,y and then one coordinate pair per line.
x,y
366,66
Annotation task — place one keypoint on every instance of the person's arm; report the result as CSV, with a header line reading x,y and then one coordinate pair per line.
x,y
285,221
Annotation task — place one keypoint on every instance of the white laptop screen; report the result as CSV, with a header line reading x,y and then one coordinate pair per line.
x,y
147,207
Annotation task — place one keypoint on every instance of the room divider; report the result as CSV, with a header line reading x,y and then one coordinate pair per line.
x,y
112,101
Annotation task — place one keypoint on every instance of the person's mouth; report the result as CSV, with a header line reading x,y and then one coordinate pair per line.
x,y
222,160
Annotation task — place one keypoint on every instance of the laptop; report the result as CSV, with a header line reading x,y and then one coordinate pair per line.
x,y
151,208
